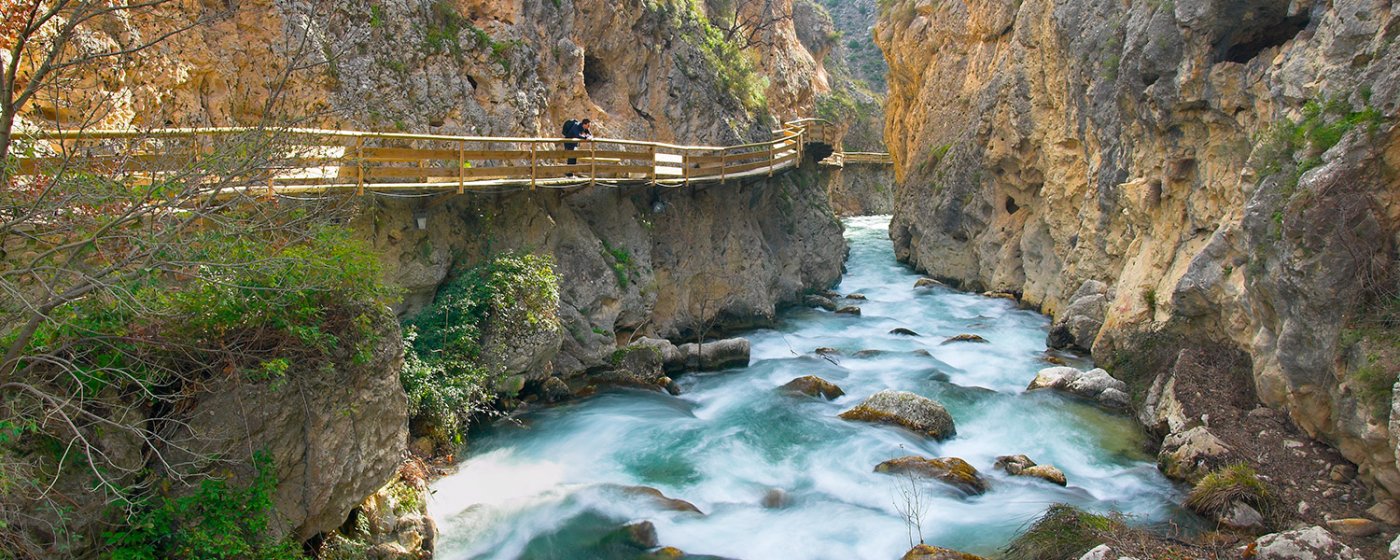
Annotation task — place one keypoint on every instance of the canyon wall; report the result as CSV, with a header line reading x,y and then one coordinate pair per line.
x,y
633,261
1226,168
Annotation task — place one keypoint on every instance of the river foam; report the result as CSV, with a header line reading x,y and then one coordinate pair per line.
x,y
549,487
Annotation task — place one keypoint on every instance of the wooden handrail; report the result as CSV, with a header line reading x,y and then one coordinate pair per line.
x,y
323,159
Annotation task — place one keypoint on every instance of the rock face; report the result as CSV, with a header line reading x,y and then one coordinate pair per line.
x,y
327,456
952,471
1302,544
1096,385
907,410
1224,168
716,354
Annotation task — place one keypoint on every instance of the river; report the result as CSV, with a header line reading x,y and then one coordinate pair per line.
x,y
548,486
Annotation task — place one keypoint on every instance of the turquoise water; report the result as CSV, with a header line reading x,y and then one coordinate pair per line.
x,y
548,487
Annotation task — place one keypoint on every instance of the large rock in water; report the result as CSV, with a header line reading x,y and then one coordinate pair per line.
x,y
1312,543
716,354
813,386
1096,385
952,471
1078,325
906,410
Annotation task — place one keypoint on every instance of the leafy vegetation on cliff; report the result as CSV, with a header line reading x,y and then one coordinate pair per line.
x,y
733,69
445,372
217,521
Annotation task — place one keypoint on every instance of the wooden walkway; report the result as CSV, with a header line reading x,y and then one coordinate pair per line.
x,y
313,161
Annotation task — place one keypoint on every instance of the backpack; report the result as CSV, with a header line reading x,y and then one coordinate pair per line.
x,y
571,127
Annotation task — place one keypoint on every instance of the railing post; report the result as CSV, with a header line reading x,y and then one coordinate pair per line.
x,y
651,149
723,156
461,166
359,165
532,166
685,165
800,146
592,163
772,158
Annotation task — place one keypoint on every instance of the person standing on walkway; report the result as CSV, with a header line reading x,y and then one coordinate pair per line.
x,y
576,130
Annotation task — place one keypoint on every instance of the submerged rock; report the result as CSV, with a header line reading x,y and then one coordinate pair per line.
x,y
1302,544
930,552
856,297
926,283
776,498
813,386
1096,385
849,310
952,471
827,351
901,331
965,338
907,410
662,500
1000,295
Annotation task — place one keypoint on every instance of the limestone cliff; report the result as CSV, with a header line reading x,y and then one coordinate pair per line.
x,y
1227,168
637,261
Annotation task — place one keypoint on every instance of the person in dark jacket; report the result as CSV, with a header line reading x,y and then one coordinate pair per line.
x,y
579,130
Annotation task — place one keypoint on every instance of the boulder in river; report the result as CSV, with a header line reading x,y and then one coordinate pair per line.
x,y
952,471
965,338
926,283
907,410
1021,465
849,310
820,302
813,386
1096,385
827,351
856,297
930,552
655,496
901,331
716,354
671,357
1079,323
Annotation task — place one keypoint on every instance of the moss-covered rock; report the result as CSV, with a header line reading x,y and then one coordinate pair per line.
x,y
952,471
813,386
906,410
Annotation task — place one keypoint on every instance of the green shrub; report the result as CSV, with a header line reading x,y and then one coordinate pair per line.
x,y
248,306
1297,147
444,374
1218,491
216,521
1063,532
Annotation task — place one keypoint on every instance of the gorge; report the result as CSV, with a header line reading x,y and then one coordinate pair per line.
x,y
1199,196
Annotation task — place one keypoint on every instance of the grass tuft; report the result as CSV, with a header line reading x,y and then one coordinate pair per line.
x,y
1064,531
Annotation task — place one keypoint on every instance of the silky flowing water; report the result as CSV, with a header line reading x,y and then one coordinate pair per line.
x,y
550,486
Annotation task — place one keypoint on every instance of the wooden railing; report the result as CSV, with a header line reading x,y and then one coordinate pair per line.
x,y
317,161
842,159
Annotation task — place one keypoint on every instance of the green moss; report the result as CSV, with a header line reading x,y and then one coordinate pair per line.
x,y
1295,147
1063,532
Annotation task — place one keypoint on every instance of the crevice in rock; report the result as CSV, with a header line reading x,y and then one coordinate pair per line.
x,y
595,76
1247,41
